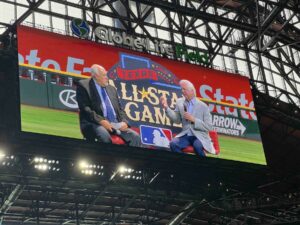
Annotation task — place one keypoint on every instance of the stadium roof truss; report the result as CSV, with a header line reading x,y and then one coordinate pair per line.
x,y
66,196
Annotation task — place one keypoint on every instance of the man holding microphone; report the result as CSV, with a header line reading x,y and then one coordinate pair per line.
x,y
195,118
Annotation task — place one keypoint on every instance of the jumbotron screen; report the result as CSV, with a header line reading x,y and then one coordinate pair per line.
x,y
151,107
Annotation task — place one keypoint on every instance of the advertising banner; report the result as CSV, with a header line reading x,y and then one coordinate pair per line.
x,y
53,65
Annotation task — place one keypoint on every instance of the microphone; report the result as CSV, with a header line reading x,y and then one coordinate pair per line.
x,y
184,107
115,131
185,110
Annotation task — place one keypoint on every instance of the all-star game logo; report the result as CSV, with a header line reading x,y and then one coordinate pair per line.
x,y
140,83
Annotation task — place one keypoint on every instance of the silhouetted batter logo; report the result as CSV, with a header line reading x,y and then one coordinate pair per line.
x,y
155,136
80,28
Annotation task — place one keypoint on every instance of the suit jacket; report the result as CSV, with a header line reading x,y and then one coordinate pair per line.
x,y
90,106
202,125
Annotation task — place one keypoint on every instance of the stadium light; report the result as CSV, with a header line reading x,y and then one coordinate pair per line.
x,y
44,164
128,173
122,169
90,169
2,155
82,164
7,160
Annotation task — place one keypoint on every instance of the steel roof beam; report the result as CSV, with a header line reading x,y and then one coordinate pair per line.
x,y
271,41
177,8
14,195
263,27
187,210
33,4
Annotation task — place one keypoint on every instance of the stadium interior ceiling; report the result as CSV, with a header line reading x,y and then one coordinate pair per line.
x,y
259,39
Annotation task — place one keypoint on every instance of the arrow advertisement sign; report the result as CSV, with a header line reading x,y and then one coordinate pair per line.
x,y
228,125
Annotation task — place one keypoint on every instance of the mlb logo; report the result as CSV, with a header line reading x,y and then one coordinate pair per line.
x,y
156,136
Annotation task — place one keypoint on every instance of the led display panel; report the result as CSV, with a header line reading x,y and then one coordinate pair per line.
x,y
56,87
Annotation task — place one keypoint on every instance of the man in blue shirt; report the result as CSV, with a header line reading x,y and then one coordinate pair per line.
x,y
100,109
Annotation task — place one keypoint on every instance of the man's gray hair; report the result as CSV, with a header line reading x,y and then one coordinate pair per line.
x,y
95,69
189,85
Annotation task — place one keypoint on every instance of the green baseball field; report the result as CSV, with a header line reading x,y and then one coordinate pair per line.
x,y
66,124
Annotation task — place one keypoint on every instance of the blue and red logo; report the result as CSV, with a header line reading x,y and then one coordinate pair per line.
x,y
156,136
80,28
133,67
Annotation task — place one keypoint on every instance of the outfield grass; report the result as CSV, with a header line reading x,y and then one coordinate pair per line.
x,y
50,121
241,150
66,124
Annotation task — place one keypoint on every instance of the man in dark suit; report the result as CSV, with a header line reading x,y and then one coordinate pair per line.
x,y
100,109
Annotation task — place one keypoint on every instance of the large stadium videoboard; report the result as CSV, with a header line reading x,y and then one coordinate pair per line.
x,y
55,81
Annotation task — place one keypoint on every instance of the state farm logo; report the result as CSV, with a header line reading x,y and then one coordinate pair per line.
x,y
68,98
